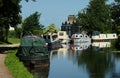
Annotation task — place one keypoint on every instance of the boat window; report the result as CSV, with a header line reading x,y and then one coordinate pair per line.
x,y
76,35
113,35
61,34
54,37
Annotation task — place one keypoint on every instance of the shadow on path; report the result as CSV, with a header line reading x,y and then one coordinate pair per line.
x,y
5,48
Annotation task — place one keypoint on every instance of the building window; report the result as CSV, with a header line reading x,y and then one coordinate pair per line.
x,y
69,32
66,27
69,27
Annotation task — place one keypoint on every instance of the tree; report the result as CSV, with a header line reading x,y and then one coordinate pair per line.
x,y
31,23
9,16
51,29
96,16
83,20
18,31
115,15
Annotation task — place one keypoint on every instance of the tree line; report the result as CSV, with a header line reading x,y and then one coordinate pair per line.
x,y
98,15
10,11
31,25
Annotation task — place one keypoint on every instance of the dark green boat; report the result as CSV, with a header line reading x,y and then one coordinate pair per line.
x,y
32,48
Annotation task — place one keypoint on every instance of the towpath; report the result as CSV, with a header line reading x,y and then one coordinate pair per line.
x,y
10,45
4,72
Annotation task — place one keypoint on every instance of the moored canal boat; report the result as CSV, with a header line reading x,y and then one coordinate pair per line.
x,y
52,40
80,38
62,35
32,48
100,37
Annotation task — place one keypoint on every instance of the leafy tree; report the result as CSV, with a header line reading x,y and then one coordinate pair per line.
x,y
18,32
96,16
31,23
51,29
9,16
117,0
115,15
12,34
83,20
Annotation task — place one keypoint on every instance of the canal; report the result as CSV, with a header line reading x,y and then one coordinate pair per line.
x,y
96,60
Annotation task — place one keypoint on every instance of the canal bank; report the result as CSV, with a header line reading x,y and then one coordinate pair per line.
x,y
5,48
4,72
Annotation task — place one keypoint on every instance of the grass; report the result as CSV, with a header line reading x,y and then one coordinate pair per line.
x,y
16,67
11,41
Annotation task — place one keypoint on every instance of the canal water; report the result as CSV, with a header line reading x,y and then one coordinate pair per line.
x,y
81,60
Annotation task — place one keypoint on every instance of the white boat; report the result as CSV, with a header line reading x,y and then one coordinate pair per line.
x,y
52,40
80,38
104,37
62,35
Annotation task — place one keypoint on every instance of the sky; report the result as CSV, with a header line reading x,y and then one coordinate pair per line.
x,y
53,11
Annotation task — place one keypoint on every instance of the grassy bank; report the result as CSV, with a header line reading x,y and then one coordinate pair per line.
x,y
11,41
15,66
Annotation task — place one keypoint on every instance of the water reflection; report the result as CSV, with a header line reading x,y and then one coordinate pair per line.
x,y
40,70
101,46
96,63
84,60
80,46
116,70
60,51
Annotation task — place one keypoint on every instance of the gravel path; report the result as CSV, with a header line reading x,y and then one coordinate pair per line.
x,y
4,72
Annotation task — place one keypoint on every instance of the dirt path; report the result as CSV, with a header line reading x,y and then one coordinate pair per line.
x,y
4,72
10,45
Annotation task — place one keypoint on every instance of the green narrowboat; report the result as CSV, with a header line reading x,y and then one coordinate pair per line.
x,y
32,48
